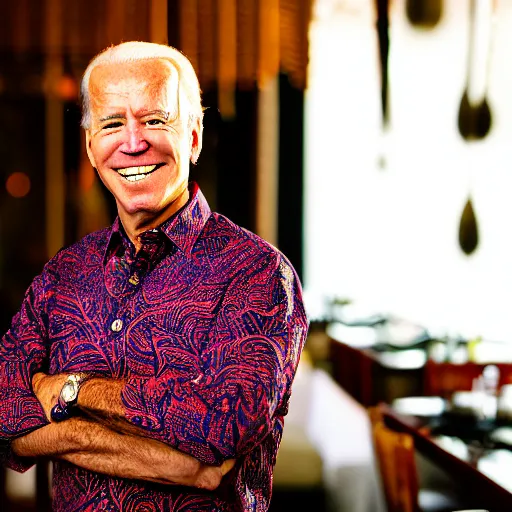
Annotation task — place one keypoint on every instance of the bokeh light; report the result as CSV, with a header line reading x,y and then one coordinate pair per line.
x,y
67,88
18,184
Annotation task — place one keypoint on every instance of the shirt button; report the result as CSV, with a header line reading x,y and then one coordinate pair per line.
x,y
134,279
117,325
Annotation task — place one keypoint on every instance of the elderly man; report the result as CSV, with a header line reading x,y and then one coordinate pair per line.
x,y
152,361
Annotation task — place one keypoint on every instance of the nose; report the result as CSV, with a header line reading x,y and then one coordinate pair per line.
x,y
134,142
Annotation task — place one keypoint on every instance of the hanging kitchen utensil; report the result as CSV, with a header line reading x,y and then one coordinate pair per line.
x,y
383,34
382,24
468,229
424,13
475,119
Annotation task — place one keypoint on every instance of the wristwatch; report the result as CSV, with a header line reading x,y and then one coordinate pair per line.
x,y
68,397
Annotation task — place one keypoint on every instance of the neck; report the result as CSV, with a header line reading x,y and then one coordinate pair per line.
x,y
136,224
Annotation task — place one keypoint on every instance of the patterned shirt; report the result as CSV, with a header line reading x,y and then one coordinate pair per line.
x,y
206,324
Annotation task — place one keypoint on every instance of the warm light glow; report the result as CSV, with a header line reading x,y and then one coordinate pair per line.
x,y
67,88
18,184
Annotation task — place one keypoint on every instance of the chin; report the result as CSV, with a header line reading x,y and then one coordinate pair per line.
x,y
147,203
142,208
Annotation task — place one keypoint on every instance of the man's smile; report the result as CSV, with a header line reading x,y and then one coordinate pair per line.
x,y
137,173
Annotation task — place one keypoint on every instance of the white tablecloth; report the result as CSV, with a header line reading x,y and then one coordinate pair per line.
x,y
339,429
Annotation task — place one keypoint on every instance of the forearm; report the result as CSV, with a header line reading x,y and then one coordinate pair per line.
x,y
213,422
96,448
100,399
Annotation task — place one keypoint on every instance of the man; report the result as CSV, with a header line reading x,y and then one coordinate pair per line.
x,y
153,361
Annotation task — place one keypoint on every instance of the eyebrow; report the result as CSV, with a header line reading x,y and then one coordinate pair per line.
x,y
162,113
112,116
165,115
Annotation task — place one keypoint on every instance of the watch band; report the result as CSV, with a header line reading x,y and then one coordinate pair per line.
x,y
63,409
59,414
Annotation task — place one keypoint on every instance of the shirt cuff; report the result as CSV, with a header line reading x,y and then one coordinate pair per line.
x,y
12,461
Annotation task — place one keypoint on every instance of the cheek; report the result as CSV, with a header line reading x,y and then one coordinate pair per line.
x,y
102,149
167,144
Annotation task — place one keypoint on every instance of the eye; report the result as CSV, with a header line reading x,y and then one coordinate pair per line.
x,y
114,124
155,122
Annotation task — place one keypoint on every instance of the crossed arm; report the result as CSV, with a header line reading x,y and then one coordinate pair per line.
x,y
242,383
92,446
220,414
27,432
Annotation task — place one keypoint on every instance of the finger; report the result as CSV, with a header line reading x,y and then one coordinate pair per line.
x,y
209,478
227,466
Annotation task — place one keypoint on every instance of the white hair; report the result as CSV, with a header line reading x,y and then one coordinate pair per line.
x,y
139,50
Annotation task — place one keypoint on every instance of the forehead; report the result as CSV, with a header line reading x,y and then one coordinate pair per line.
x,y
154,80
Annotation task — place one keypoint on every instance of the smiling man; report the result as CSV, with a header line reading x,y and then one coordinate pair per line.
x,y
136,130
152,361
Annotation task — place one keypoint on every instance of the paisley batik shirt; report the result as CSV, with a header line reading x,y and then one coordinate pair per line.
x,y
205,323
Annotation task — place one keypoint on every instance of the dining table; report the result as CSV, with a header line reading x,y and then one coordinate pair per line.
x,y
455,446
482,474
374,366
373,372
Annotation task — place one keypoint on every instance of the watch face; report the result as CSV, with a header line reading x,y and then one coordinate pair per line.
x,y
69,391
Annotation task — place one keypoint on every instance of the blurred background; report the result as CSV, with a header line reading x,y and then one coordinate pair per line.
x,y
369,140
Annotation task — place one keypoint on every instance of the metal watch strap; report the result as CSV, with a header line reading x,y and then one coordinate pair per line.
x,y
62,410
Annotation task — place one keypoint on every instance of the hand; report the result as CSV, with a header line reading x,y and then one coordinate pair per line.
x,y
209,477
47,389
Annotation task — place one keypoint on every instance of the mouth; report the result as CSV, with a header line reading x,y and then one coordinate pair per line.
x,y
139,173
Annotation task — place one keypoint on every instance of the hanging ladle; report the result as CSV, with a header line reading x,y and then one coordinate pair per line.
x,y
468,229
474,119
424,13
382,25
383,35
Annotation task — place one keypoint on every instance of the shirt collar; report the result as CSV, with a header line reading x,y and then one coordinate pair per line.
x,y
116,238
182,229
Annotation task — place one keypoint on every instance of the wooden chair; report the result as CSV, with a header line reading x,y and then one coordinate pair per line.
x,y
398,472
395,458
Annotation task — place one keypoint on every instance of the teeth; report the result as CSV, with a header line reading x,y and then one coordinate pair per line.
x,y
136,177
137,172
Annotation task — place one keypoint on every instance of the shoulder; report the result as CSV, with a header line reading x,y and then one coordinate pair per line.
x,y
235,240
87,252
243,248
71,263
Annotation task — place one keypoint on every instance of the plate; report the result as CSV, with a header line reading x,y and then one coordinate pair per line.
x,y
502,435
400,333
357,337
411,359
422,406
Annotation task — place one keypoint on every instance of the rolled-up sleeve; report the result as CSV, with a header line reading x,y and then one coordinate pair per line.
x,y
22,353
245,375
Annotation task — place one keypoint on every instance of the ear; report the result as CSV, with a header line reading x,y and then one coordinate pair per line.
x,y
196,140
88,148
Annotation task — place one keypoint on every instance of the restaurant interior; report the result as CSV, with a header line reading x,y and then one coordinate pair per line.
x,y
369,140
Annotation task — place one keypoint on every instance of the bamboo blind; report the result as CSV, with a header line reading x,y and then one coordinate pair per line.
x,y
246,41
230,42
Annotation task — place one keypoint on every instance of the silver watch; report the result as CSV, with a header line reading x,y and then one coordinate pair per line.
x,y
68,396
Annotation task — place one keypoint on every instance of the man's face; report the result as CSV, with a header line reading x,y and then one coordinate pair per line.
x,y
138,140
